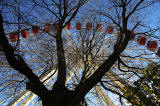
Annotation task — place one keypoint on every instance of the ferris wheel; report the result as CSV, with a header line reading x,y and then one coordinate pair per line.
x,y
139,44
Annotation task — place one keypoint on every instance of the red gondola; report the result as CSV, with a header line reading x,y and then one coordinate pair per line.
x,y
13,37
24,33
152,45
47,28
78,26
68,26
89,26
99,27
55,26
35,29
142,40
110,29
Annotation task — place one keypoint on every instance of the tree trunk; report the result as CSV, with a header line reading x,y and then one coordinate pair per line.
x,y
66,98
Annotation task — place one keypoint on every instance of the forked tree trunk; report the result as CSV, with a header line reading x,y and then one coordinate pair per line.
x,y
65,99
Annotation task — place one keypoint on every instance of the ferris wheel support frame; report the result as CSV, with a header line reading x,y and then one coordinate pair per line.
x,y
26,92
121,83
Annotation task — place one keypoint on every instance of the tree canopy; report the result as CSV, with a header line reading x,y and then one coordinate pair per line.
x,y
145,91
61,61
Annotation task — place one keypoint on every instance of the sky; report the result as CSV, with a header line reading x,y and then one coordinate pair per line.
x,y
153,20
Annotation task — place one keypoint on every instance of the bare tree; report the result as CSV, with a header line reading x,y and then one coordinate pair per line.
x,y
88,53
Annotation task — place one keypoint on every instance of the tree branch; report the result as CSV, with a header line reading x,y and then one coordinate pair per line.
x,y
18,63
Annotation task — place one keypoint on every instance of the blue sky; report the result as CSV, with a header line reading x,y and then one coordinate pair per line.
x,y
153,20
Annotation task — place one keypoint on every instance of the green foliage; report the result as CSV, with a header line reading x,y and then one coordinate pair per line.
x,y
146,90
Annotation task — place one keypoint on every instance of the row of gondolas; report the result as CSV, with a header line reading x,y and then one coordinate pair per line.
x,y
142,40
